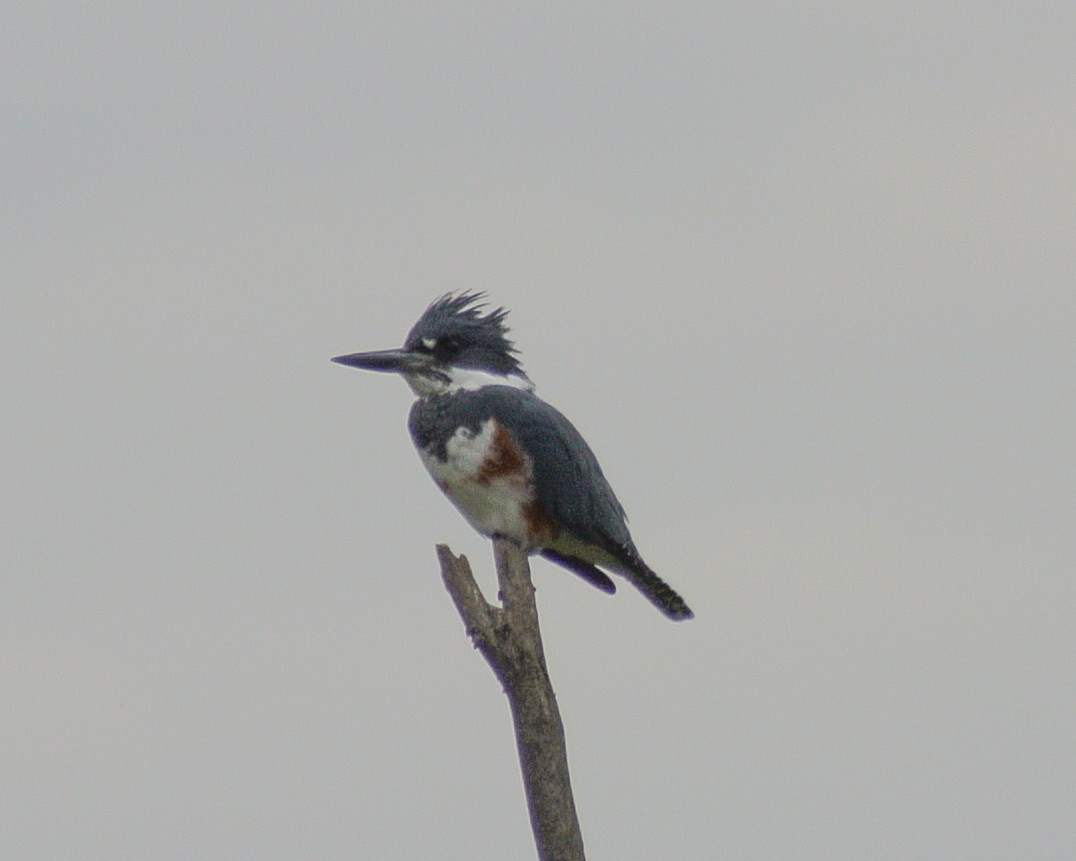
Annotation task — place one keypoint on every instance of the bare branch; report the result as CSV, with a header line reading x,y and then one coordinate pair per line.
x,y
476,612
511,641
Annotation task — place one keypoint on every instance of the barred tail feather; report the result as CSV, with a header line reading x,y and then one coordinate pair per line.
x,y
624,560
657,591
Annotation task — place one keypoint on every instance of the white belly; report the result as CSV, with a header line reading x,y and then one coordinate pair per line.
x,y
494,501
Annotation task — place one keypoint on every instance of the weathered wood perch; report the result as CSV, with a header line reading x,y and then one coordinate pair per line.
x,y
510,640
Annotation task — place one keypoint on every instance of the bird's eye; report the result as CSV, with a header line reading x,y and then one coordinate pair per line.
x,y
446,348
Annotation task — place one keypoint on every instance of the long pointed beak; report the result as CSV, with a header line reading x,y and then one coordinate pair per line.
x,y
393,361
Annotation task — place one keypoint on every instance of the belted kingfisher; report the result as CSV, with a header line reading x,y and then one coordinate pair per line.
x,y
511,463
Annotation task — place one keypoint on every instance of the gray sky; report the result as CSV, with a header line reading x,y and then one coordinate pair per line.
x,y
803,274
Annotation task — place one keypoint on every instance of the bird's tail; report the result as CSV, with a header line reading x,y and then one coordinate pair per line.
x,y
656,590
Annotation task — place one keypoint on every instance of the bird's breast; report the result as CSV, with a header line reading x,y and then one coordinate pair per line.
x,y
490,479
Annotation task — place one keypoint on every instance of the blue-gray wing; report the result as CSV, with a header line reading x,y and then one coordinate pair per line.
x,y
569,484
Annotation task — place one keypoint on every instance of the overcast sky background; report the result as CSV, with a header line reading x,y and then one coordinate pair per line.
x,y
803,274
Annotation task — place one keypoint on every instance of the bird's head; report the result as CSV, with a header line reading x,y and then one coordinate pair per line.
x,y
454,345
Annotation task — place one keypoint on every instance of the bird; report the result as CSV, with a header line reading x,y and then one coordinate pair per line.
x,y
512,465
